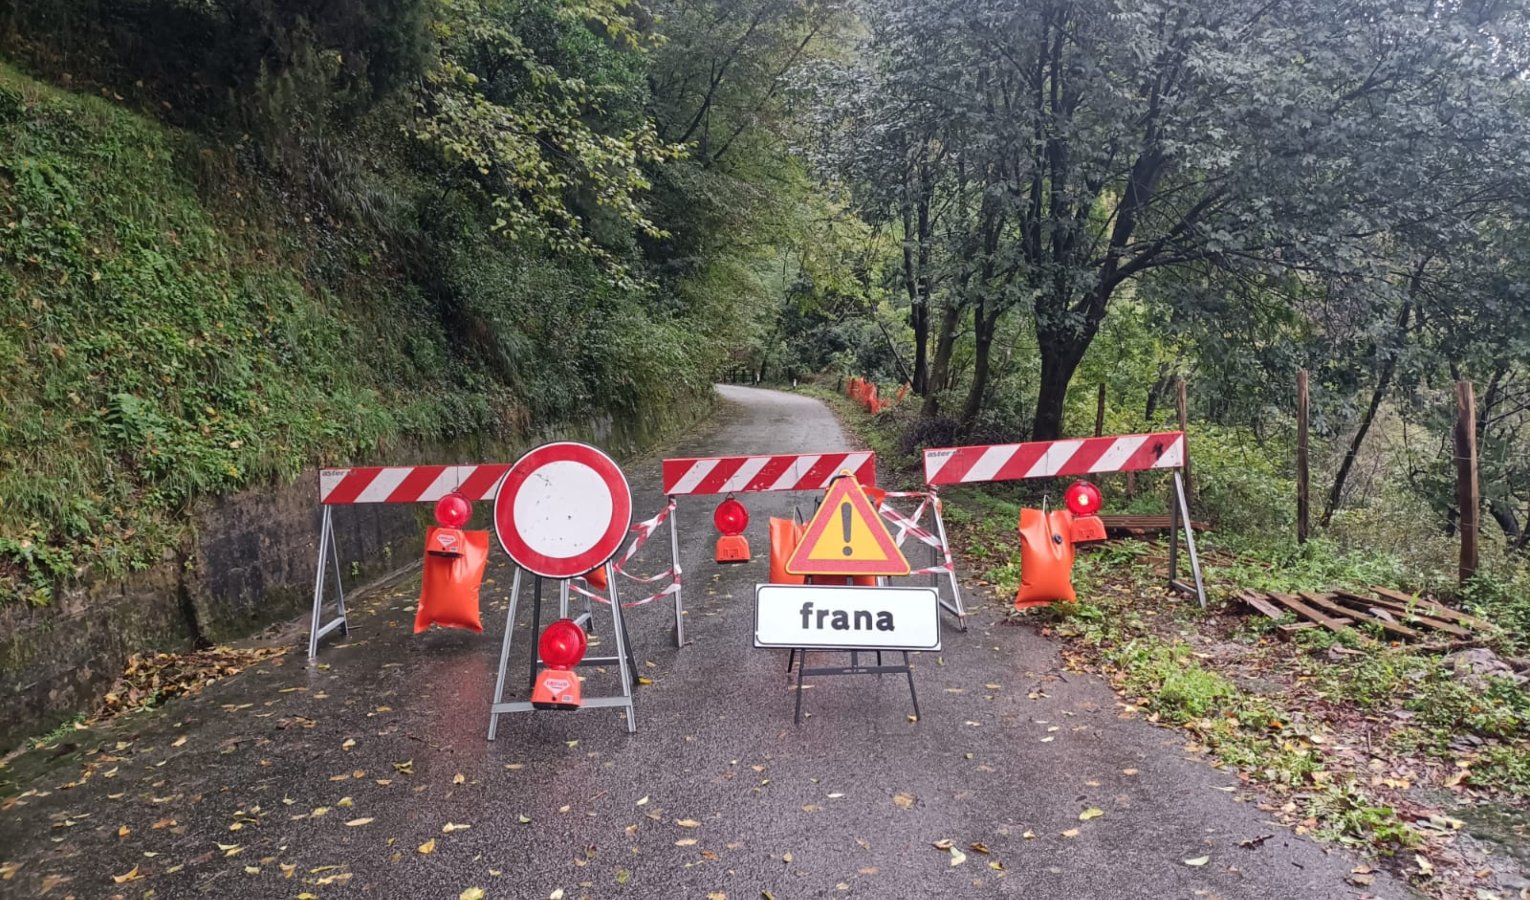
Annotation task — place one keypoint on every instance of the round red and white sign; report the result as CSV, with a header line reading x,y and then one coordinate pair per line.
x,y
562,510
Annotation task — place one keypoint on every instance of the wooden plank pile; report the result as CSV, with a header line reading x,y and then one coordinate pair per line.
x,y
1397,615
1137,525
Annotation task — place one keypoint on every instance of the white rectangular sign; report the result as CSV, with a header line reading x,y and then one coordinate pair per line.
x,y
819,617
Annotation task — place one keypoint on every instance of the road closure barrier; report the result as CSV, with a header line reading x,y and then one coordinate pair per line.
x,y
1163,450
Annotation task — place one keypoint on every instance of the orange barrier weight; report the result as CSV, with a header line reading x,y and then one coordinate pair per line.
x,y
449,587
784,537
1046,558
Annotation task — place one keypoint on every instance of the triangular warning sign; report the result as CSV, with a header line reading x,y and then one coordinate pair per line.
x,y
847,537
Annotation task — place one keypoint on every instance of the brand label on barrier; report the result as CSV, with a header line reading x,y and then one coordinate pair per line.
x,y
847,537
820,617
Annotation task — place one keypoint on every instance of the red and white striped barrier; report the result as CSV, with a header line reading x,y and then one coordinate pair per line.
x,y
744,474
1046,459
427,484
408,484
1081,456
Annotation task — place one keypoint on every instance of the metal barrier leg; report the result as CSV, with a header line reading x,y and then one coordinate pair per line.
x,y
956,588
1182,506
334,555
329,557
619,629
536,630
797,716
674,554
912,694
318,586
504,653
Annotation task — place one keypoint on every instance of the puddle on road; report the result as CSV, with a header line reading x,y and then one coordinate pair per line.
x,y
1508,830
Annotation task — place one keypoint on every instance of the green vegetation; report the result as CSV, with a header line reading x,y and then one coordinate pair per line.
x,y
239,240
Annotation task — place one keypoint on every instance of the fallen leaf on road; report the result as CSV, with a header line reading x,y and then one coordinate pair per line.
x,y
179,741
1198,861
459,778
472,893
786,857
428,847
345,802
163,823
957,857
556,895
252,870
978,847
449,827
644,679
124,831
319,811
644,801
1093,812
348,744
1425,867
903,801
1070,833
687,823
129,875
406,767
943,844
716,895
522,818
1128,771
686,842
357,823
1029,835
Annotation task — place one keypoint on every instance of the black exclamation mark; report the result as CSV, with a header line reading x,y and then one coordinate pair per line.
x,y
844,521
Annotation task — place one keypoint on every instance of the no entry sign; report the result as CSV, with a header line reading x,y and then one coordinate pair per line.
x,y
822,617
562,510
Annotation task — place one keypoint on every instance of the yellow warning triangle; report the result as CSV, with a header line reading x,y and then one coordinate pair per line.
x,y
847,537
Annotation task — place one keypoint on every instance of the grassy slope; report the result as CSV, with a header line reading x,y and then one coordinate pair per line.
x,y
169,329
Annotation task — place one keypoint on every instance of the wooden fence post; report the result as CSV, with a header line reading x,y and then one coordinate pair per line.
x,y
1099,412
1303,484
1468,494
1181,409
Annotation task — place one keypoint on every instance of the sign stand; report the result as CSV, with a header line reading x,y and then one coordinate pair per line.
x,y
1179,516
626,663
855,668
327,553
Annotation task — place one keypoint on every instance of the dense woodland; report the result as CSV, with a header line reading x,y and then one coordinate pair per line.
x,y
244,236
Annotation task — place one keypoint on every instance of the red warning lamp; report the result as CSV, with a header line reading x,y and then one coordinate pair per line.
x,y
1083,499
731,518
561,646
453,510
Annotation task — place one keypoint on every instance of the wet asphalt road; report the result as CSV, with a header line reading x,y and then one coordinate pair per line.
x,y
718,794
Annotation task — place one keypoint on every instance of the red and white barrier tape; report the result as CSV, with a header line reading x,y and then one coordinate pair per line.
x,y
642,531
908,526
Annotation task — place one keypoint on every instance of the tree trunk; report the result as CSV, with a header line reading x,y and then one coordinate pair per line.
x,y
1506,520
940,366
983,331
1336,493
1060,357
